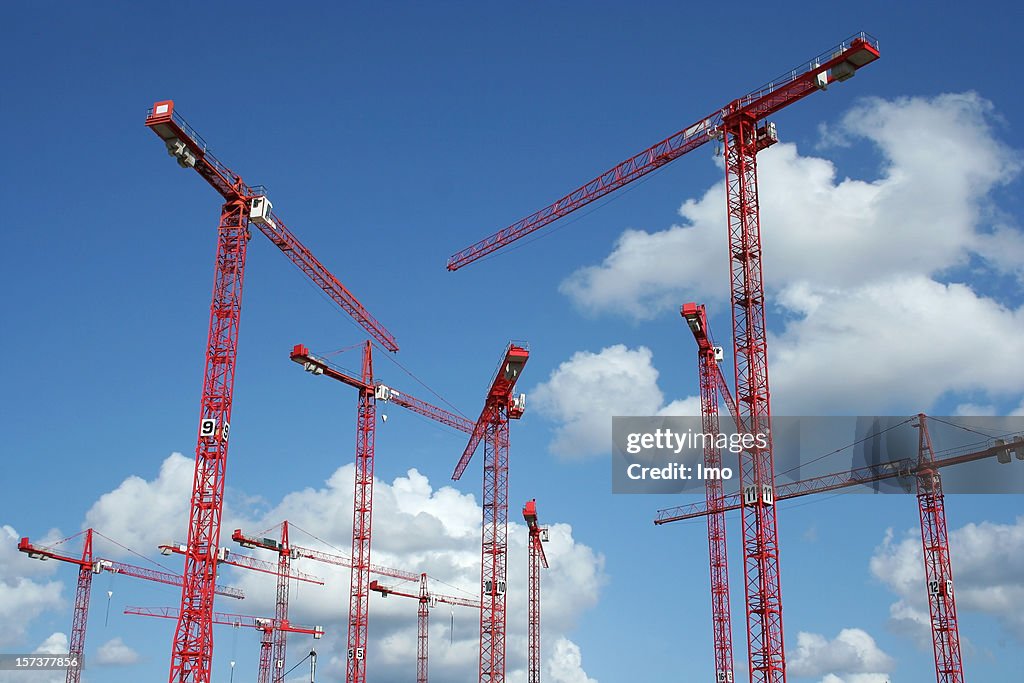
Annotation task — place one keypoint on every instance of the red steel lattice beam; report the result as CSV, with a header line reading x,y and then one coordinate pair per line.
x,y
536,558
938,569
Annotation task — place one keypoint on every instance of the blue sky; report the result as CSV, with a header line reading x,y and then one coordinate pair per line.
x,y
391,136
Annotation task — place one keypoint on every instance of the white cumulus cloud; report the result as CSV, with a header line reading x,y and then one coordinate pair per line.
x,y
922,215
565,664
141,513
856,678
862,274
869,349
23,596
115,652
54,644
852,652
417,527
583,394
988,573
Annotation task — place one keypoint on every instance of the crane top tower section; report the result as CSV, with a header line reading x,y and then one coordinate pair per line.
x,y
499,398
504,381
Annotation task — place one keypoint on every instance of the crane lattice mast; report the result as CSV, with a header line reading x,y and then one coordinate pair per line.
x,y
491,428
938,568
709,372
536,558
276,650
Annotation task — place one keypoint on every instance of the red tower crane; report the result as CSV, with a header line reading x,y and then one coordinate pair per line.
x,y
284,555
934,538
268,628
370,391
284,573
192,650
535,559
710,374
89,566
742,128
426,600
491,428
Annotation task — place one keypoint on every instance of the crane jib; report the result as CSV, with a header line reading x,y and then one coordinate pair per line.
x,y
834,65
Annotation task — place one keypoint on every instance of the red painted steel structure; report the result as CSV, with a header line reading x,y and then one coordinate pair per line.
x,y
491,428
369,392
319,366
362,513
938,570
536,558
268,628
287,550
81,613
229,619
277,650
298,552
80,616
709,373
738,126
425,600
87,567
868,474
192,649
836,64
223,556
931,507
